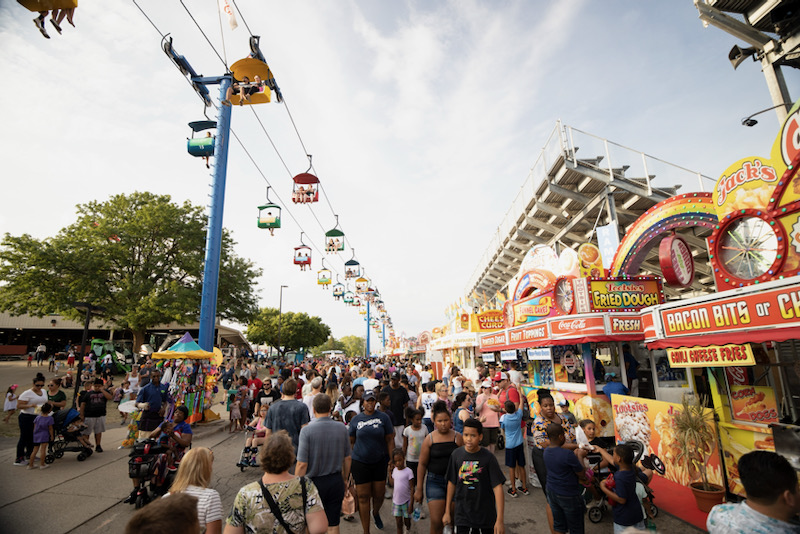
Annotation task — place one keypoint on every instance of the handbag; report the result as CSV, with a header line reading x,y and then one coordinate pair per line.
x,y
501,442
350,503
273,506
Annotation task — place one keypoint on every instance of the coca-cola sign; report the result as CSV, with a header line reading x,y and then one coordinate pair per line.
x,y
577,326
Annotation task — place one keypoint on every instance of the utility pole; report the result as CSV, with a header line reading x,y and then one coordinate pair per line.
x,y
280,316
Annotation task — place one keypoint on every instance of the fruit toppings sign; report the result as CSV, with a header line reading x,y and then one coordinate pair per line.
x,y
711,356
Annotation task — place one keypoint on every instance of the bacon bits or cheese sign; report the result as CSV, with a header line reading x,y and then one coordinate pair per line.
x,y
711,356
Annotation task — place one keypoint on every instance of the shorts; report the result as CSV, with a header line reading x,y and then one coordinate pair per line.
x,y
400,510
515,456
490,436
94,425
367,473
331,494
435,487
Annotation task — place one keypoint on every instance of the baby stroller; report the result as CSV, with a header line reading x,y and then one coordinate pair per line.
x,y
67,429
597,511
148,463
249,455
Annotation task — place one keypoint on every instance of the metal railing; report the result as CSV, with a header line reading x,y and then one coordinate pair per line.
x,y
568,143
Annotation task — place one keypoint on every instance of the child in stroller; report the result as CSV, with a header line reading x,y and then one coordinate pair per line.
x,y
69,429
644,475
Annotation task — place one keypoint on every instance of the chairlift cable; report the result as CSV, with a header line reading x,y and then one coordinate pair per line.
x,y
279,199
204,35
149,20
242,17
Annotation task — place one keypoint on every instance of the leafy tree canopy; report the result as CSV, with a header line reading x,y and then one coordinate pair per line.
x,y
296,330
354,346
330,344
140,256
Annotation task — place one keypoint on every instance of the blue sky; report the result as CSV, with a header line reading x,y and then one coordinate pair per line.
x,y
423,118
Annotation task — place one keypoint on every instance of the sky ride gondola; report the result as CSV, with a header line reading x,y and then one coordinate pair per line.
x,y
302,254
334,239
269,215
306,186
324,276
349,297
253,79
352,269
201,147
338,289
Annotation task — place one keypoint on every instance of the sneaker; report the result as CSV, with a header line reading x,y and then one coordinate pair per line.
x,y
524,491
58,29
98,449
378,521
512,492
507,482
388,493
21,461
253,462
422,514
39,23
45,466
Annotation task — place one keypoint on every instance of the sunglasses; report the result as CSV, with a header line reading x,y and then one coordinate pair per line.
x,y
39,385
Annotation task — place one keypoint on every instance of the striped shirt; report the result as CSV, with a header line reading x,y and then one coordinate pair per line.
x,y
209,505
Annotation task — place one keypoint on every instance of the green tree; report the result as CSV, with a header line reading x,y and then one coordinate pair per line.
x,y
354,345
140,256
295,330
330,344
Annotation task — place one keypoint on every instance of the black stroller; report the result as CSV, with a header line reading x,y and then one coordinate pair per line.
x,y
597,511
67,428
148,463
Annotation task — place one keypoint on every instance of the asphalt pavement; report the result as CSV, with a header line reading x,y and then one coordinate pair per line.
x,y
86,497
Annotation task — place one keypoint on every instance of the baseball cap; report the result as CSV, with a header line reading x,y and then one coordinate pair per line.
x,y
396,375
611,375
296,370
500,376
564,403
369,395
486,384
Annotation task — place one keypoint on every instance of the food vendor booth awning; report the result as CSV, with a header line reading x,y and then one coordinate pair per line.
x,y
571,330
751,314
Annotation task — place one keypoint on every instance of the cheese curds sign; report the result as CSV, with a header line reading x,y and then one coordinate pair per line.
x,y
711,356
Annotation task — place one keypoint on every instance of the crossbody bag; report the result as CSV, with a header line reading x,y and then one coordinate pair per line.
x,y
273,506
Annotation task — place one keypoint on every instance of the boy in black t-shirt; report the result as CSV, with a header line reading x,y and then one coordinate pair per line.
x,y
475,480
627,509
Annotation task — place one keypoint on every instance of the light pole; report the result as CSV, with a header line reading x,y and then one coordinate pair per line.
x,y
89,309
280,316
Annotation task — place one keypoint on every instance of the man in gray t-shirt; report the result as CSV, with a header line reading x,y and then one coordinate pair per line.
x,y
287,414
324,457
